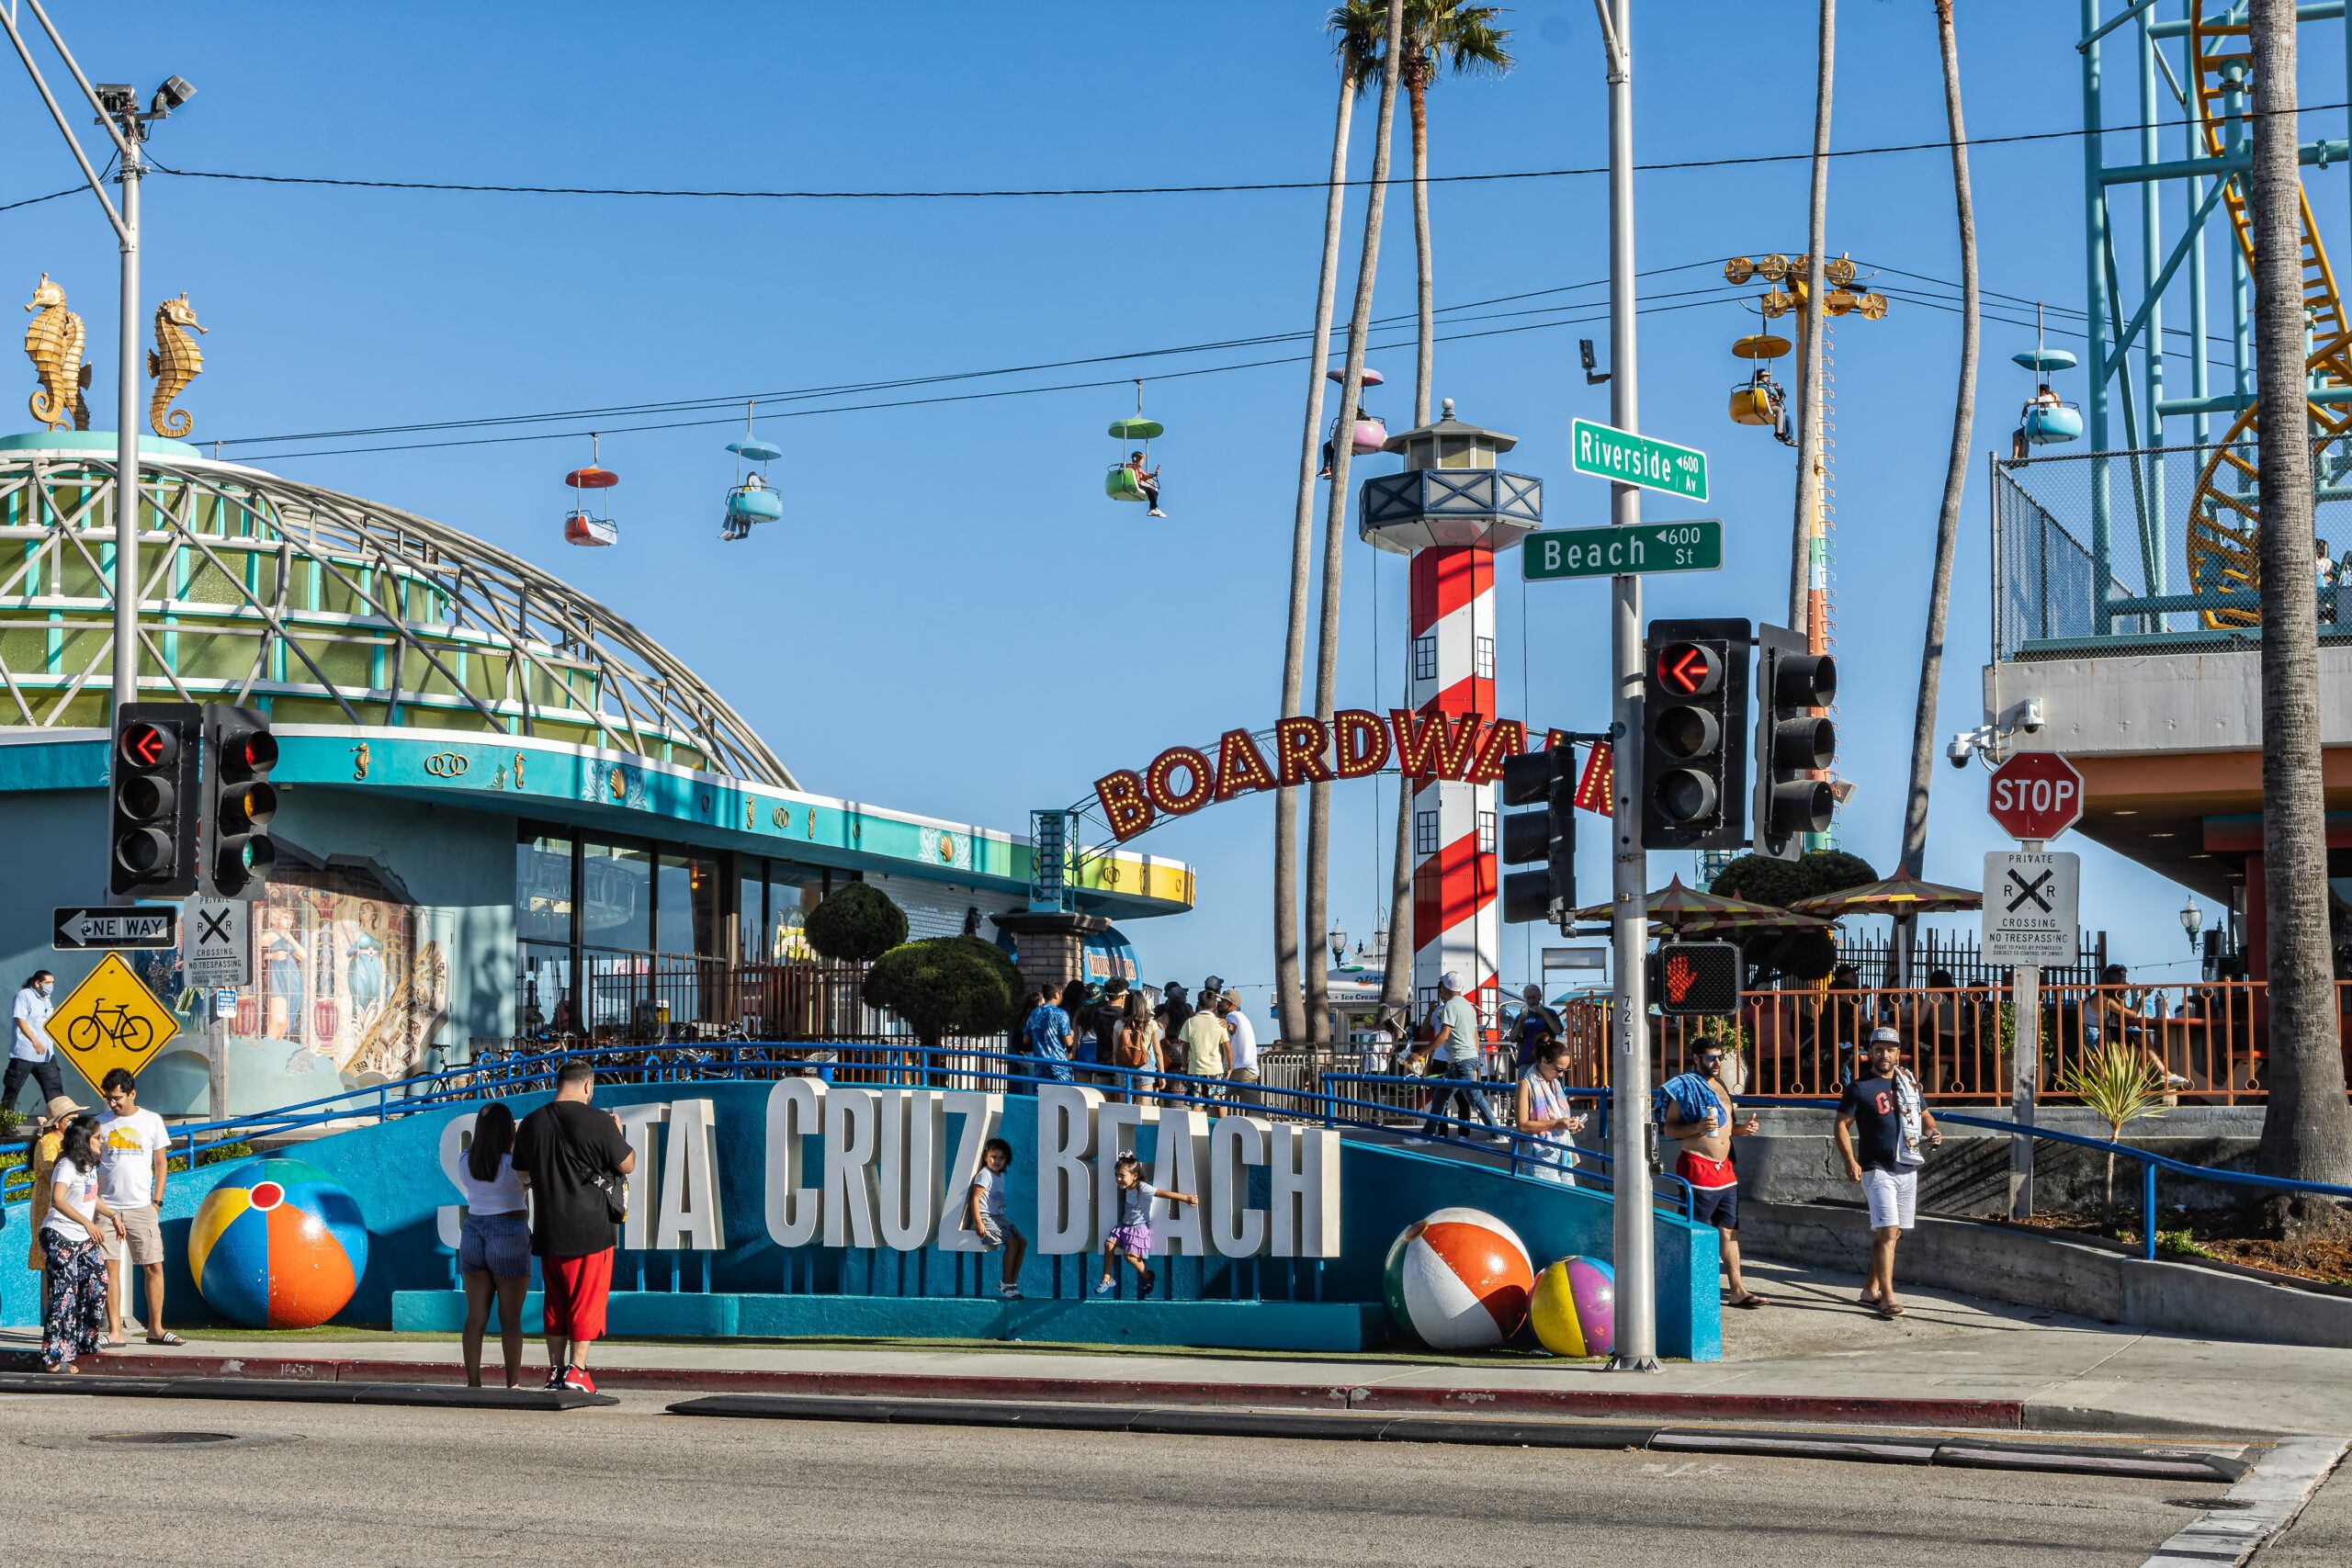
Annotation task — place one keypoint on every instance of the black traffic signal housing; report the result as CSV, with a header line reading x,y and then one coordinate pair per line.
x,y
1794,742
1694,735
239,800
1545,778
1696,980
151,825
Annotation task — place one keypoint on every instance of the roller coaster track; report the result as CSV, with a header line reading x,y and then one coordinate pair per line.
x,y
2225,515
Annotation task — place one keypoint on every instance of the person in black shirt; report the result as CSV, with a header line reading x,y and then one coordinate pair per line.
x,y
569,1154
1882,1121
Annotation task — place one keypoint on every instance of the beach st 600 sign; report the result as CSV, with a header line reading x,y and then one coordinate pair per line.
x,y
2036,796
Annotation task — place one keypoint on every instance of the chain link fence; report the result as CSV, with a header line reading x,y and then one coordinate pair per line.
x,y
2181,524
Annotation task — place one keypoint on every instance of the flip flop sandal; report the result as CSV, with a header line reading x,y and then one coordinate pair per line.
x,y
1887,1311
166,1338
1751,1301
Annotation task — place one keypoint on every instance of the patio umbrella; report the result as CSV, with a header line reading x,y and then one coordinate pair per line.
x,y
1686,909
1898,895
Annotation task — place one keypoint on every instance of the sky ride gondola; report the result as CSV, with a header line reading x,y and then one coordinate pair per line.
x,y
1370,434
1136,479
2045,420
752,501
579,527
1759,399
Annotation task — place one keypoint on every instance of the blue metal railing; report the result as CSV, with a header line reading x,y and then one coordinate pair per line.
x,y
2150,1161
917,1066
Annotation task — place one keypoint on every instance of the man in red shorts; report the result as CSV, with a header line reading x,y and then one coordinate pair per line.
x,y
571,1156
1706,1162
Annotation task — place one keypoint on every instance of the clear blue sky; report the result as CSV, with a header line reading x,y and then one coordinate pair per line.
x,y
952,619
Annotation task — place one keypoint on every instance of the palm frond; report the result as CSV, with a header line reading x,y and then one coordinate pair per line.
x,y
2117,1085
1359,30
1451,33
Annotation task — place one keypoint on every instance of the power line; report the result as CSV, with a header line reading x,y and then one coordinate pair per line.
x,y
732,419
37,201
692,194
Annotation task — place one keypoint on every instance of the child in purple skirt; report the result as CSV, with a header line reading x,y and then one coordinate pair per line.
x,y
1132,1235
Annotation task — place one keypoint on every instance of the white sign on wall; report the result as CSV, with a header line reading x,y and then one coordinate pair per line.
x,y
2032,904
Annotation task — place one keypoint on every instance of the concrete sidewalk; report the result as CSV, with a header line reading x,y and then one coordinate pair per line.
x,y
1814,1355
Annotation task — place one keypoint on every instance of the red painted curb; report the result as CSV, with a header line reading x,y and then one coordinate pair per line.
x,y
1990,1414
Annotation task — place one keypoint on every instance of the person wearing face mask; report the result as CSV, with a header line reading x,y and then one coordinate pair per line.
x,y
29,1050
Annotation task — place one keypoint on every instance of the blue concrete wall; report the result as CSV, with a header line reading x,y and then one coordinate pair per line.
x,y
392,1169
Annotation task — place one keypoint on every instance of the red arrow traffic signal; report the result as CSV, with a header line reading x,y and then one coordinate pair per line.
x,y
145,746
1689,669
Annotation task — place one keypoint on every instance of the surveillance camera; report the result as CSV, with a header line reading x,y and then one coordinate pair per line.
x,y
2030,717
174,94
1958,752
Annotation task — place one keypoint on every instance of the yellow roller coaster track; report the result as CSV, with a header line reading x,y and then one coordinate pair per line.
x,y
2225,521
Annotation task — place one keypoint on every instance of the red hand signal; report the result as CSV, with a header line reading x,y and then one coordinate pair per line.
x,y
1680,978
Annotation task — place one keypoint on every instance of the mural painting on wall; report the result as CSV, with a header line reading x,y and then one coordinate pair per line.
x,y
346,968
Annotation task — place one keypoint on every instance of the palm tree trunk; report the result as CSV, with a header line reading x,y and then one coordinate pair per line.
x,y
2307,1128
1417,94
1335,533
1396,974
1809,374
1963,420
1291,1020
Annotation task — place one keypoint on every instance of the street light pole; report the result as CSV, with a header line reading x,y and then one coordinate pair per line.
x,y
126,461
1629,915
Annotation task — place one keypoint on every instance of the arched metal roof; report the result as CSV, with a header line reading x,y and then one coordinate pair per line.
x,y
325,608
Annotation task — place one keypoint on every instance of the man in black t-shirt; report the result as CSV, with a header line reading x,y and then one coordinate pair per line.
x,y
568,1154
1882,1121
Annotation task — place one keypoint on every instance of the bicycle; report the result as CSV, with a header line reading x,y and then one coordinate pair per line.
x,y
129,1032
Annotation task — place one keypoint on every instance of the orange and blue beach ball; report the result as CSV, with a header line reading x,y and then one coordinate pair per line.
x,y
277,1245
1458,1280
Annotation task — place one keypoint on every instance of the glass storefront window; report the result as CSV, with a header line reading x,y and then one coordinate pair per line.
x,y
687,906
616,890
543,998
543,889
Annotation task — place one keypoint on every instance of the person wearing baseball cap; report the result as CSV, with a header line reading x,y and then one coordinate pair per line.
x,y
1882,1122
1461,1050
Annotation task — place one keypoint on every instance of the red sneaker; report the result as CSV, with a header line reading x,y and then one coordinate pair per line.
x,y
578,1379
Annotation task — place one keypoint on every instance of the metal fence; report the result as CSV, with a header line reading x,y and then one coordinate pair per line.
x,y
2206,1042
1960,955
2179,524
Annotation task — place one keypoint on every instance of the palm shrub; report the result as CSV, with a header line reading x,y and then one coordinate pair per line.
x,y
2119,1087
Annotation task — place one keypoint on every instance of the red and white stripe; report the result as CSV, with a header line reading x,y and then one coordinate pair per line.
x,y
1456,925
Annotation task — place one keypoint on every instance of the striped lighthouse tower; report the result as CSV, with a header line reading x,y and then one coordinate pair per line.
x,y
1456,926
1451,511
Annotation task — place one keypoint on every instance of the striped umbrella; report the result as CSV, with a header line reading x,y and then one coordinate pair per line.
x,y
1686,910
1897,895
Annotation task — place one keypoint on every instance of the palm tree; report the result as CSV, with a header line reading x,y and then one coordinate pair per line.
x,y
2307,1128
1438,34
1963,420
1809,373
1335,525
1353,47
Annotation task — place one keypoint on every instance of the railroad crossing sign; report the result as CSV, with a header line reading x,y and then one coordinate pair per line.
x,y
111,1020
78,928
218,952
1605,452
2032,904
2036,796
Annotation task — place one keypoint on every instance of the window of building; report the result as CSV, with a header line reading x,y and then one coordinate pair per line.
x,y
686,906
543,889
616,896
1486,832
1425,832
1483,657
1425,658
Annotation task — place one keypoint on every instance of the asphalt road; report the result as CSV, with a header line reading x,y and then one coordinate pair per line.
x,y
328,1485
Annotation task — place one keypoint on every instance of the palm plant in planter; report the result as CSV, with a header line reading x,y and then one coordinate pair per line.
x,y
2118,1086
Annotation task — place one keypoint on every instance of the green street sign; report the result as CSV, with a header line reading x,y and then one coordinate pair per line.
x,y
1696,546
1607,453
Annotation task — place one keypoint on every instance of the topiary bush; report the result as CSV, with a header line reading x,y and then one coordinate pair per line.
x,y
945,984
1833,871
855,924
1761,879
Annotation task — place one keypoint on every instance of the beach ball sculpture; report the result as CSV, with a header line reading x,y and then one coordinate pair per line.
x,y
1458,1280
277,1245
1575,1309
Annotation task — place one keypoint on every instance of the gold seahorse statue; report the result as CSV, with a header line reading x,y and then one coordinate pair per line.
x,y
54,342
174,362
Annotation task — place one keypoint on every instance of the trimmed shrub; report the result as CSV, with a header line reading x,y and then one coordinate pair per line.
x,y
945,984
857,923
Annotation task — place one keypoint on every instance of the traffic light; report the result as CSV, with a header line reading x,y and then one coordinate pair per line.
x,y
1694,735
1696,980
1794,741
1545,778
239,800
151,836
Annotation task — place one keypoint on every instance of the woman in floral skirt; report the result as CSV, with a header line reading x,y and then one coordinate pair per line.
x,y
74,1305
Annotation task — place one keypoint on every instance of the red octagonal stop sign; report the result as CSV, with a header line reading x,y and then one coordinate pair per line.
x,y
2036,796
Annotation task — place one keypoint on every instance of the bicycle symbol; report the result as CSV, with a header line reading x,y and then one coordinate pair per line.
x,y
129,1032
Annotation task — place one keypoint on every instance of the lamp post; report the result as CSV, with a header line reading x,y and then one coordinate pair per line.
x,y
125,124
2192,919
1338,940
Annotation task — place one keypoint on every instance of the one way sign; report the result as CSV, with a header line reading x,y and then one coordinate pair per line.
x,y
78,928
2032,905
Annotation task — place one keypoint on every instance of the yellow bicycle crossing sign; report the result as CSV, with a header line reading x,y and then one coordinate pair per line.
x,y
111,1020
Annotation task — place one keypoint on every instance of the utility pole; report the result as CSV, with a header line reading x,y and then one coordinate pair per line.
x,y
1629,1125
125,124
